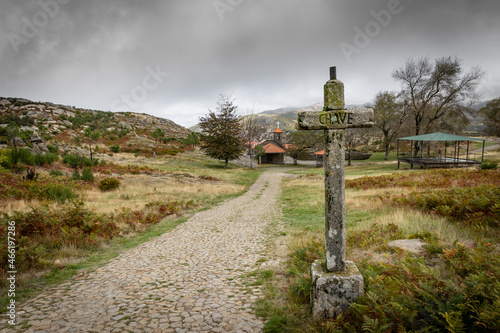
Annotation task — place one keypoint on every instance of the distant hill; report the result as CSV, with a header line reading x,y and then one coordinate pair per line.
x,y
64,125
287,117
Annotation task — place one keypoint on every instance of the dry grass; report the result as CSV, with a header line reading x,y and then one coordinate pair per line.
x,y
9,205
411,221
138,190
364,208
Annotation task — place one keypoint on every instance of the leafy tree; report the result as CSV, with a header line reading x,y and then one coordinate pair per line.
x,y
492,117
92,137
437,95
191,140
221,131
389,115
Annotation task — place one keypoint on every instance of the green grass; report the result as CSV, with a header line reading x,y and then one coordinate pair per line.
x,y
379,157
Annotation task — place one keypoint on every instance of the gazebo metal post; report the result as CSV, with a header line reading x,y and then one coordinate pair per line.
x,y
482,155
411,154
467,155
445,150
397,152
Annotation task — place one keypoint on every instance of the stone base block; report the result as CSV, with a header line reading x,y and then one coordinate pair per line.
x,y
333,291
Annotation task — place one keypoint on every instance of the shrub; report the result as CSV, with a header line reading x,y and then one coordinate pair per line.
x,y
5,161
489,165
22,155
87,174
55,172
76,175
41,159
76,161
73,160
108,184
58,193
114,148
53,149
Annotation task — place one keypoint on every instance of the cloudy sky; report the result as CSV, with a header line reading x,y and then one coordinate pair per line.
x,y
172,58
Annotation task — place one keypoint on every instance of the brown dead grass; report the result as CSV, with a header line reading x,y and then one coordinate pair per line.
x,y
138,190
10,205
411,221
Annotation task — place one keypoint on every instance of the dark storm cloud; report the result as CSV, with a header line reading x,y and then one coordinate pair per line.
x,y
104,54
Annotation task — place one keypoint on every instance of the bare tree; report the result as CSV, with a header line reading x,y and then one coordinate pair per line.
x,y
92,137
433,93
356,137
251,133
303,142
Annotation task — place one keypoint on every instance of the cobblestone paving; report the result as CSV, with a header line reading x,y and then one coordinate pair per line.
x,y
191,279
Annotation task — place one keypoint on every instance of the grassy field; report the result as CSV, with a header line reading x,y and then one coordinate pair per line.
x,y
460,263
61,239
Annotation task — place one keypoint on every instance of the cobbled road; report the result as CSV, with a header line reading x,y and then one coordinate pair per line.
x,y
193,278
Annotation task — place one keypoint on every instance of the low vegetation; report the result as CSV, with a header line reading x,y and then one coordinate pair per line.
x,y
452,287
63,221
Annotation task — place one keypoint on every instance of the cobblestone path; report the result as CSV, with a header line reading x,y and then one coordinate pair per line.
x,y
190,279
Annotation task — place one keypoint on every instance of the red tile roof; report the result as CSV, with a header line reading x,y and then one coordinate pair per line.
x,y
278,130
271,148
321,152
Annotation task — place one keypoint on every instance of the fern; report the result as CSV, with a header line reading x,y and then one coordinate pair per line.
x,y
454,323
373,325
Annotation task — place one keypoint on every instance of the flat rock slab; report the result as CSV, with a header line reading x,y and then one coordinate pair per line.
x,y
415,246
190,279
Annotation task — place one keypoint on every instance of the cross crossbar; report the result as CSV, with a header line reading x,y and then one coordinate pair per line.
x,y
335,119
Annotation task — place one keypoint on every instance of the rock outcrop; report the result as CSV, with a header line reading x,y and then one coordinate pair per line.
x,y
64,125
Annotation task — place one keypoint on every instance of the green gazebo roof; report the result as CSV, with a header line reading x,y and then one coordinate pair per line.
x,y
438,136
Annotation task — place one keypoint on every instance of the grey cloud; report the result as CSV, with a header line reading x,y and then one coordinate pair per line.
x,y
269,53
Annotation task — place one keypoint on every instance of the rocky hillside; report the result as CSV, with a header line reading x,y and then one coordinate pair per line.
x,y
64,126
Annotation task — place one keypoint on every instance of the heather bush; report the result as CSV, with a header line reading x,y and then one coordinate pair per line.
x,y
108,184
489,165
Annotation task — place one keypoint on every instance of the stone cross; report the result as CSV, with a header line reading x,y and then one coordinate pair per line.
x,y
334,119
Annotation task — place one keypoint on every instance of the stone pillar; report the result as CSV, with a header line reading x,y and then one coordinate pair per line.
x,y
336,282
334,199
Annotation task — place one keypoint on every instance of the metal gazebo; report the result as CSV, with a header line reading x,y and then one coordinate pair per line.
x,y
438,150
